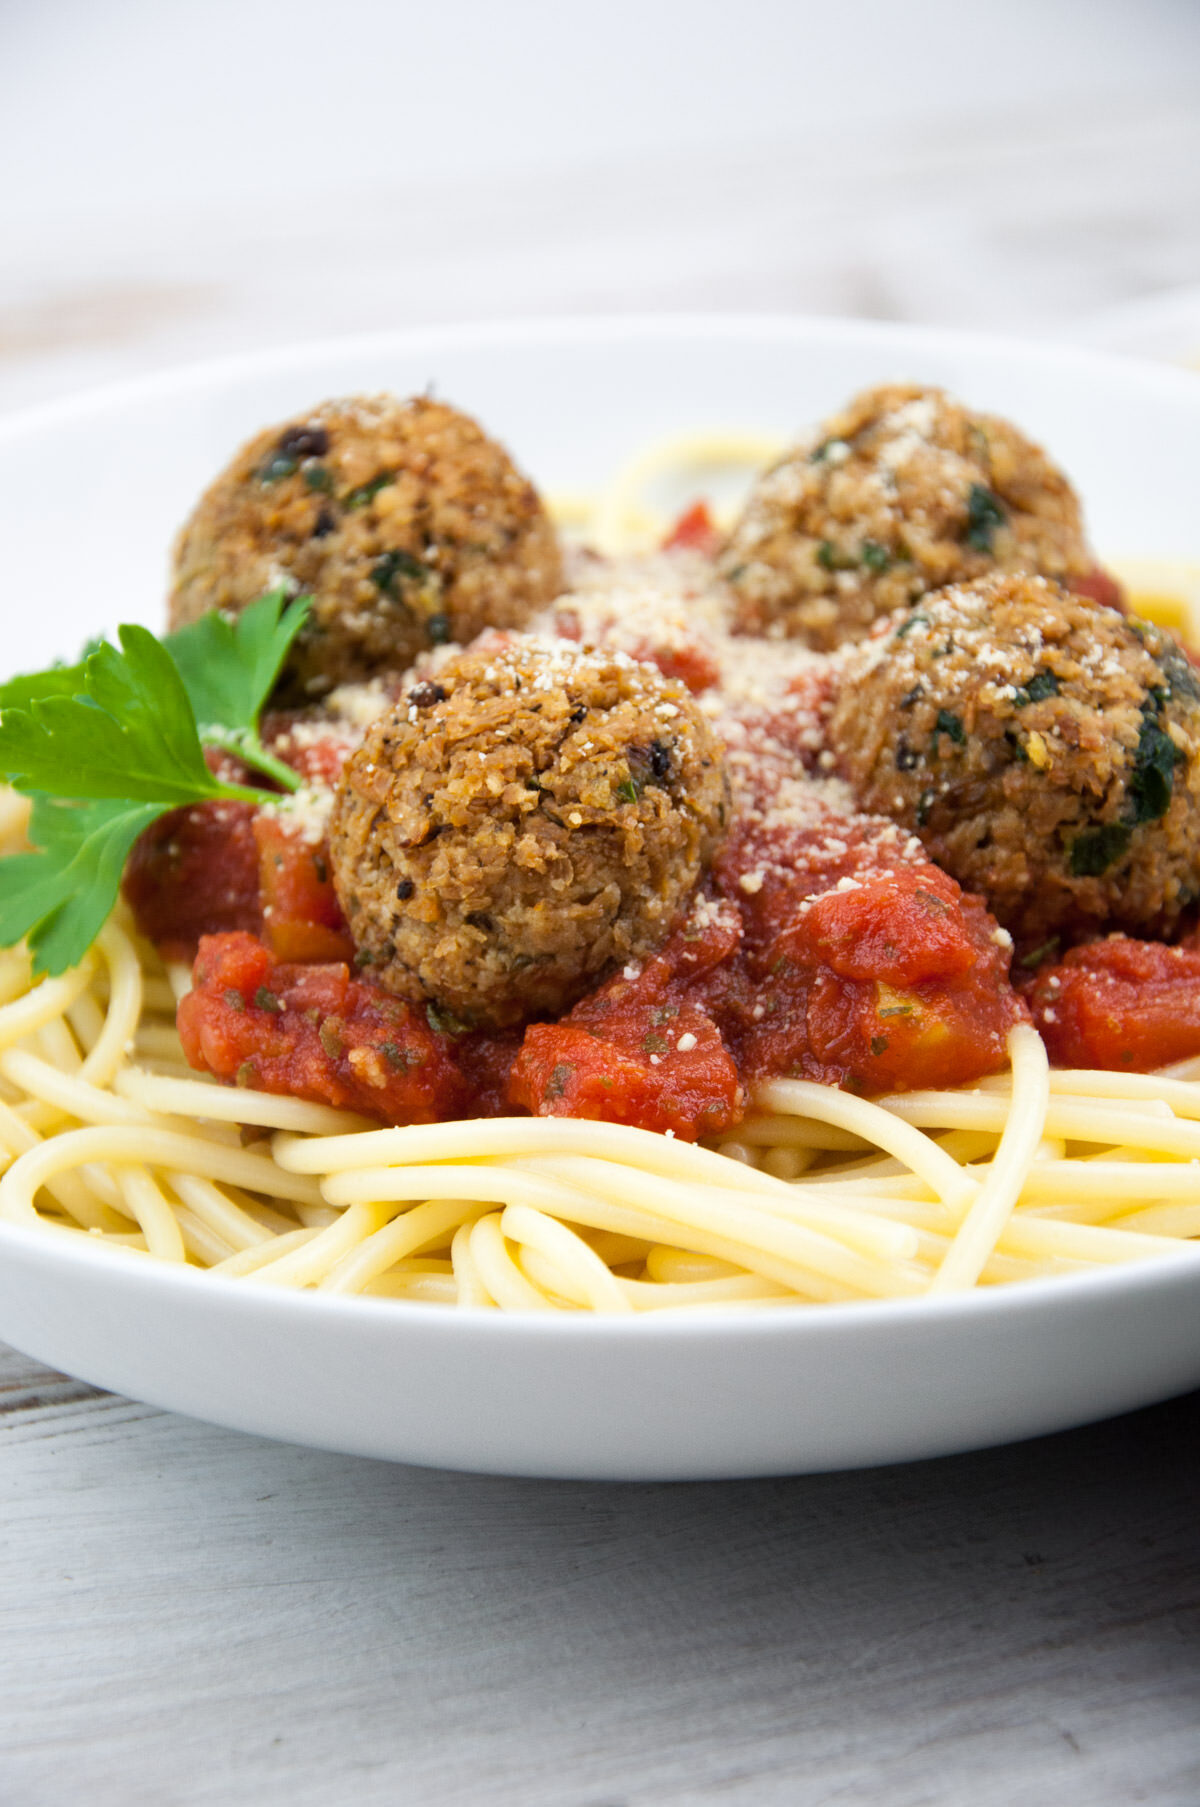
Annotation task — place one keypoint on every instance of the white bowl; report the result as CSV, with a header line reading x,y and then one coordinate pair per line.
x,y
1165,326
90,493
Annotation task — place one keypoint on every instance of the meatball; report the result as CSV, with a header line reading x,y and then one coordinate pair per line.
x,y
902,492
1046,751
513,828
407,525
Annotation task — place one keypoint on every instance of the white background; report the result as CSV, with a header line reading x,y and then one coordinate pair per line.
x,y
184,178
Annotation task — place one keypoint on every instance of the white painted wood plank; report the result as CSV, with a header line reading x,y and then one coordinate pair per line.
x,y
192,1617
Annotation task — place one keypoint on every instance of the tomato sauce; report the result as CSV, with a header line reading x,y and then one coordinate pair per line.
x,y
689,660
218,867
302,918
692,664
195,872
865,965
828,949
643,1049
1120,1004
696,530
313,1031
1099,587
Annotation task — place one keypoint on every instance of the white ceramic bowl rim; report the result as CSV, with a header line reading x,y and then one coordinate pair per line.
x,y
1134,373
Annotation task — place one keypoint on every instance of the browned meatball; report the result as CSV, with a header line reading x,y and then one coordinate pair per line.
x,y
1046,751
521,822
407,525
902,492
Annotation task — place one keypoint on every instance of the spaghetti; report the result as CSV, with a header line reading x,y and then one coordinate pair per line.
x,y
106,1133
818,1196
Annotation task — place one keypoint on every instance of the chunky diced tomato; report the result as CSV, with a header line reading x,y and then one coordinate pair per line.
x,y
1120,1003
864,966
641,1050
317,751
695,528
302,919
563,1071
1099,587
314,1032
934,1034
899,927
691,662
195,872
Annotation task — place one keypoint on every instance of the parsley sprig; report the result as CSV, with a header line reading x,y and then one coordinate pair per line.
x,y
228,669
107,746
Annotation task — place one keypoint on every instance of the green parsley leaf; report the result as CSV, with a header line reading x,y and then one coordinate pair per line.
x,y
832,558
1153,779
1045,950
107,746
278,466
60,897
59,680
445,1022
1041,685
559,1079
985,512
394,568
949,724
367,492
229,667
1096,849
130,735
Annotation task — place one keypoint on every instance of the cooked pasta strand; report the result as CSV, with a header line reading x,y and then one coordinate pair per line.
x,y
500,1273
590,1280
998,1193
149,1208
471,1290
870,1121
124,1005
308,1265
206,1099
495,1138
871,1237
425,1226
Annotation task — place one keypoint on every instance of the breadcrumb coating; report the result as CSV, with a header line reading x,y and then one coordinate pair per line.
x,y
1045,750
510,831
407,525
901,492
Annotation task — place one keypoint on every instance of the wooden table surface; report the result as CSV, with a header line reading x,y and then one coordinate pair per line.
x,y
188,1615
194,1616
